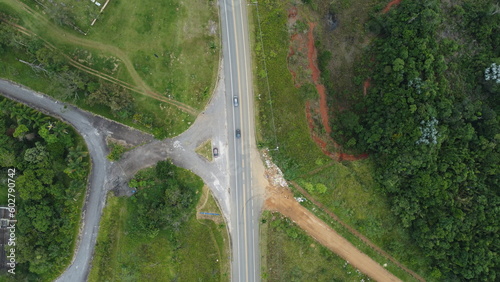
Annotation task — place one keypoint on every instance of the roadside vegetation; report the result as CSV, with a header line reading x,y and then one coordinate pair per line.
x,y
116,151
291,255
155,235
347,188
51,167
205,150
427,193
431,123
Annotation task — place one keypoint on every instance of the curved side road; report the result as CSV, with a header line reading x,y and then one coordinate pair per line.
x,y
94,130
106,176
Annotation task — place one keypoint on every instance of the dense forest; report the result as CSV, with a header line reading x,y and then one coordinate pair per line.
x,y
431,122
164,200
51,164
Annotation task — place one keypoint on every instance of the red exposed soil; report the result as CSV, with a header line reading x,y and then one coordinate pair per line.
x,y
301,43
312,55
338,156
297,45
282,201
292,13
354,231
323,106
366,85
389,5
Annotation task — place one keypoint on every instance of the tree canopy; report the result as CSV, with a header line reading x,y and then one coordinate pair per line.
x,y
431,122
51,171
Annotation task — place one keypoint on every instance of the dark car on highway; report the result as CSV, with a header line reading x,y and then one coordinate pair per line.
x,y
238,133
216,152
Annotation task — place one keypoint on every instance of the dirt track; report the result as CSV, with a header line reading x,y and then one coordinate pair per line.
x,y
389,5
281,200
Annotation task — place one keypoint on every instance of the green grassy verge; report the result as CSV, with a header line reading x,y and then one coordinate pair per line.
x,y
281,106
180,37
351,192
173,253
291,255
205,150
164,42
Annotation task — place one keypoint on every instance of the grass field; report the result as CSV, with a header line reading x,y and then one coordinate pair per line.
x,y
156,47
291,255
122,255
281,107
165,43
74,14
351,191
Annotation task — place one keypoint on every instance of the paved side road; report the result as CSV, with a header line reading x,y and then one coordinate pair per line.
x,y
94,130
211,124
95,198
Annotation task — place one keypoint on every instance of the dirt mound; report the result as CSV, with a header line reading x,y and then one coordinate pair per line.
x,y
297,58
323,107
338,156
312,55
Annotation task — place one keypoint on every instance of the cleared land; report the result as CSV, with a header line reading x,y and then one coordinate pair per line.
x,y
291,255
180,37
350,189
282,200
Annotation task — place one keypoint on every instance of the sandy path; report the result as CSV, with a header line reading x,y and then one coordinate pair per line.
x,y
284,203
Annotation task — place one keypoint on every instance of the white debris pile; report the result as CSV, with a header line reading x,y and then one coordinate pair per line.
x,y
300,199
273,172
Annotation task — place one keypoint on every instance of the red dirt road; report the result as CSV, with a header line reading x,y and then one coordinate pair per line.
x,y
282,201
389,5
312,55
355,232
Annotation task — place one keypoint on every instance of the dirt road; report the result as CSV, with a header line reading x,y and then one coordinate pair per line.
x,y
281,200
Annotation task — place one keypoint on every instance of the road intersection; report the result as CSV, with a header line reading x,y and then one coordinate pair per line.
x,y
231,176
246,200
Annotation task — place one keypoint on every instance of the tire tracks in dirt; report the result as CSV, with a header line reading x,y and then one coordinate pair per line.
x,y
141,87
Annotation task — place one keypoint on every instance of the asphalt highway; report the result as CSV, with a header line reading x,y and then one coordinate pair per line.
x,y
245,208
239,158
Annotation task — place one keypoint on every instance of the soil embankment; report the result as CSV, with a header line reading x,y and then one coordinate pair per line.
x,y
300,44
